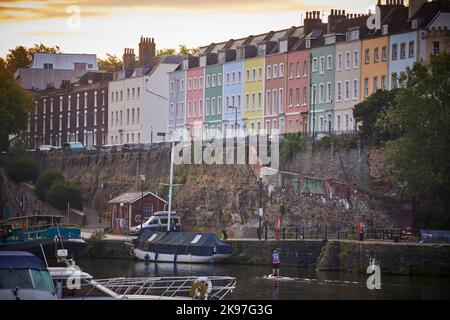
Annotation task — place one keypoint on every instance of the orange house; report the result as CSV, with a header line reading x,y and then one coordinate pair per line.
x,y
374,65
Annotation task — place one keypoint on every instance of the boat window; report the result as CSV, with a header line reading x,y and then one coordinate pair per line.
x,y
163,221
42,280
14,278
197,237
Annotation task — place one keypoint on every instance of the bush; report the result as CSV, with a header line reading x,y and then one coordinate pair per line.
x,y
45,181
63,192
98,235
291,143
22,169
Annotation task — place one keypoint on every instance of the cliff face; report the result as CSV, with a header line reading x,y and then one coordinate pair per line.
x,y
212,197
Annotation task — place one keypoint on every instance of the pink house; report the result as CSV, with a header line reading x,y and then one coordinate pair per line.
x,y
275,86
194,100
297,91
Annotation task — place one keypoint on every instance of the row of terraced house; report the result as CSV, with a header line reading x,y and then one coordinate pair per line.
x,y
304,79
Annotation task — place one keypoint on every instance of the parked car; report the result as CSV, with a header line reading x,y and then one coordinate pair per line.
x,y
110,148
132,147
158,222
73,146
47,148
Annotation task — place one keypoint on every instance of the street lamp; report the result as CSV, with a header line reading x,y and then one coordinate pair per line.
x,y
142,198
235,119
260,212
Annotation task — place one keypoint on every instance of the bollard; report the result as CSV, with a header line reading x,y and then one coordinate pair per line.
x,y
283,233
265,236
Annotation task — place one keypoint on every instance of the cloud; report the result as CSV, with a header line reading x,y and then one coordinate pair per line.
x,y
22,10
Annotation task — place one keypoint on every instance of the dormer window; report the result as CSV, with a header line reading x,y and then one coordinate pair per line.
x,y
384,29
308,43
414,24
240,54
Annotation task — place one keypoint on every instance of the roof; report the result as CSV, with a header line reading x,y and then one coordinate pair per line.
x,y
252,40
429,10
132,197
19,260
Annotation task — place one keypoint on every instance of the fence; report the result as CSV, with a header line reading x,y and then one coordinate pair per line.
x,y
330,232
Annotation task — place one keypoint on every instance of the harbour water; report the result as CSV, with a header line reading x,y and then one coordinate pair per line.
x,y
303,283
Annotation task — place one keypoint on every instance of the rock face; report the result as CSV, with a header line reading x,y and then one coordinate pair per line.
x,y
214,197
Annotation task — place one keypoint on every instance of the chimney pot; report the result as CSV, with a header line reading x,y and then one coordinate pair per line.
x,y
332,11
343,12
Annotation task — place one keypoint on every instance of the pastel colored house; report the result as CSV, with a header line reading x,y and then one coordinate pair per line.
x,y
253,114
322,80
297,88
194,97
403,54
275,91
177,98
213,96
232,94
348,73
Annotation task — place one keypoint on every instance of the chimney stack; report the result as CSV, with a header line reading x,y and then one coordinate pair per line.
x,y
147,50
311,21
129,58
336,17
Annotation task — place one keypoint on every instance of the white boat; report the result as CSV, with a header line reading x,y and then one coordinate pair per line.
x,y
72,283
179,247
180,258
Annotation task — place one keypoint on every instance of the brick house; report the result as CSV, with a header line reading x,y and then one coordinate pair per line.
x,y
125,210
77,112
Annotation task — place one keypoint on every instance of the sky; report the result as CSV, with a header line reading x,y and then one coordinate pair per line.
x,y
109,26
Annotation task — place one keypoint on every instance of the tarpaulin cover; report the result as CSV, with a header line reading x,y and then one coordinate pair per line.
x,y
19,260
207,244
435,236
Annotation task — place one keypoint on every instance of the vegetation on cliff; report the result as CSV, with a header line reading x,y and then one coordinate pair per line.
x,y
412,122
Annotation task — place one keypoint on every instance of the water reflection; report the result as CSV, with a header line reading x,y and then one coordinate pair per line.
x,y
307,283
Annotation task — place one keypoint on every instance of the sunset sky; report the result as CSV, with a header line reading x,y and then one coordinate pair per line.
x,y
108,26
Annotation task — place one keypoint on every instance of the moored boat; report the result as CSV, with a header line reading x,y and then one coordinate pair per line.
x,y
36,234
181,247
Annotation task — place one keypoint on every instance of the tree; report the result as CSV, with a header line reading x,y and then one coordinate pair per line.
x,y
22,57
22,169
367,113
111,64
45,182
184,50
63,192
420,157
162,52
15,103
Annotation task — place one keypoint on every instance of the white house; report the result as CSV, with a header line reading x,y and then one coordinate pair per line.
x,y
138,102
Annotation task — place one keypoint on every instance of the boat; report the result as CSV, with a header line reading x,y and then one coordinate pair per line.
x,y
40,234
24,277
179,247
73,283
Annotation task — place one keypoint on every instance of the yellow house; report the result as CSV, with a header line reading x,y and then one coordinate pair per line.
x,y
374,65
253,95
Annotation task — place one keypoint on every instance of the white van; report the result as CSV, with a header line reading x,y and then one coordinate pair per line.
x,y
158,222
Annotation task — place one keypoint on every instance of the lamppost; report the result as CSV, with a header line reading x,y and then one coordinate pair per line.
x,y
235,119
142,198
260,212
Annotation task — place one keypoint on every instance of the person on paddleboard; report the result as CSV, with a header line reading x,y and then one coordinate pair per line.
x,y
276,263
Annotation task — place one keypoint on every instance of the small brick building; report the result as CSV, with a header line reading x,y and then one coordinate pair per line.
x,y
125,210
